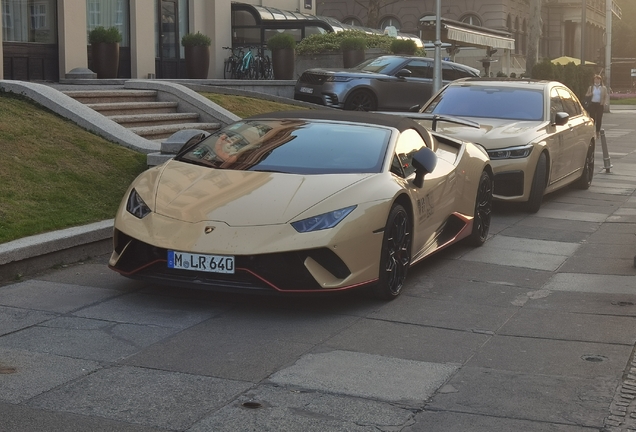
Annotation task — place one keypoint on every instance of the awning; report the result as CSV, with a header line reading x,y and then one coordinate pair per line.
x,y
460,34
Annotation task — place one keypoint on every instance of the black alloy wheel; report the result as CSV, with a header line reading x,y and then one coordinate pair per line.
x,y
483,211
395,257
538,185
585,181
361,100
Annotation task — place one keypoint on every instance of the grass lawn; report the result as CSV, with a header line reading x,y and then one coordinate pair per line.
x,y
54,174
628,101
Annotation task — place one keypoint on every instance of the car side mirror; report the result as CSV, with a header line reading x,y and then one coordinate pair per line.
x,y
403,73
561,118
424,161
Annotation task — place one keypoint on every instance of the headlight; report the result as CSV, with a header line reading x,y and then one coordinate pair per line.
x,y
511,152
323,221
336,78
136,206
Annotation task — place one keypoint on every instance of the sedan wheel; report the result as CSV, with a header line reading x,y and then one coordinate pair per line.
x,y
395,257
538,185
483,211
361,100
588,170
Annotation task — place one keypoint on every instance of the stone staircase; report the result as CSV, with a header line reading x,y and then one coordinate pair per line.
x,y
141,112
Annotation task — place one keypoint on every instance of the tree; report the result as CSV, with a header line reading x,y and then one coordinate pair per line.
x,y
624,30
534,35
373,10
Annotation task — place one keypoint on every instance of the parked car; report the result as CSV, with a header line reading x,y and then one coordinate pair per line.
x,y
537,134
386,83
305,201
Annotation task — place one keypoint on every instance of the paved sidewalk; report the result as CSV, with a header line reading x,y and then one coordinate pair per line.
x,y
535,331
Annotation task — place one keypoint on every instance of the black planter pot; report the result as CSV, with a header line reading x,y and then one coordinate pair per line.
x,y
105,59
197,61
283,63
351,58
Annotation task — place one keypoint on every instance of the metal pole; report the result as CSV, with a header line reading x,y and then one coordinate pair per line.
x,y
437,68
608,43
583,25
607,164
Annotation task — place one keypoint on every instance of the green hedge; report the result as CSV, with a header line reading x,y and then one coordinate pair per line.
x,y
576,78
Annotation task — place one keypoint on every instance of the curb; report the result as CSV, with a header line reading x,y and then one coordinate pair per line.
x,y
39,252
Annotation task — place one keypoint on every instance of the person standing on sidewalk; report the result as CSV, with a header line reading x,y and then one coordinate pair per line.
x,y
599,99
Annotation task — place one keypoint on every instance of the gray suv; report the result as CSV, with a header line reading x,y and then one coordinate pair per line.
x,y
386,83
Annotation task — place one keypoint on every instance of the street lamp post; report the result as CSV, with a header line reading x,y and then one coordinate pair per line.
x,y
437,69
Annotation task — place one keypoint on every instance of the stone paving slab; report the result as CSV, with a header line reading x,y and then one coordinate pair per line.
x,y
13,319
141,396
588,216
434,421
293,409
552,357
546,398
86,339
497,274
36,373
374,377
52,297
594,283
19,418
584,302
445,314
518,252
552,324
408,341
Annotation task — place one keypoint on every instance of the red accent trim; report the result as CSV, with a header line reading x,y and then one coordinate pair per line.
x,y
348,287
463,233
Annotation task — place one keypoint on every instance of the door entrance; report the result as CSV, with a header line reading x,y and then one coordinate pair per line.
x,y
169,62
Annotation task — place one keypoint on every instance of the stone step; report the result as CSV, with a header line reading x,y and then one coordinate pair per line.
x,y
132,108
111,96
137,120
164,131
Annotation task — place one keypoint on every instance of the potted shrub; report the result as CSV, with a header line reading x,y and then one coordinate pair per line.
x,y
352,51
105,51
403,46
282,47
197,54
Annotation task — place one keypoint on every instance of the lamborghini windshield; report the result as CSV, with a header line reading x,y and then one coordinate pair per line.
x,y
293,146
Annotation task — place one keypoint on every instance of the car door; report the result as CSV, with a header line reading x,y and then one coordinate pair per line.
x,y
575,145
413,90
557,138
432,203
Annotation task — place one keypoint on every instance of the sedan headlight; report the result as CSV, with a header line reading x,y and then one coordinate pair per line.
x,y
323,221
336,78
517,152
136,206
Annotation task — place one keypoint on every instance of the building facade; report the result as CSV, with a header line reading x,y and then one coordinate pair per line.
x,y
47,39
561,27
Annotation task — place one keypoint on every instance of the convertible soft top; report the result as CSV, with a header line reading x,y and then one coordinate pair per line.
x,y
398,122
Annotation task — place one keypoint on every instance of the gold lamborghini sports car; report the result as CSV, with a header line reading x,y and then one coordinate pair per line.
x,y
306,201
537,134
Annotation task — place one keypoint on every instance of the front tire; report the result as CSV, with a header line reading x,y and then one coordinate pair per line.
x,y
395,257
483,211
538,185
361,100
585,180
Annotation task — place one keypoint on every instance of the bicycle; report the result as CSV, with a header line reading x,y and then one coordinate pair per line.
x,y
230,65
263,64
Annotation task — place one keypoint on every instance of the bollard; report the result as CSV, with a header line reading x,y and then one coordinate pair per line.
x,y
607,165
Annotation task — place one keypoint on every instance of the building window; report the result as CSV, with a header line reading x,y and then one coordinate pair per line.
x,y
471,19
29,21
390,22
352,21
108,13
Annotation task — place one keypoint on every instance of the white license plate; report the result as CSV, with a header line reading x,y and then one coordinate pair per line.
x,y
306,90
199,262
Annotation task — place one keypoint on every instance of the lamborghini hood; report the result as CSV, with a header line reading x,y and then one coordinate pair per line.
x,y
193,193
495,133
